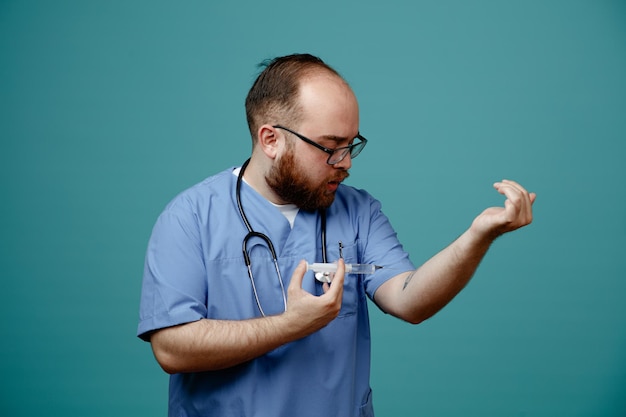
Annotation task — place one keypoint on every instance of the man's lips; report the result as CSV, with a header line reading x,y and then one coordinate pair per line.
x,y
334,183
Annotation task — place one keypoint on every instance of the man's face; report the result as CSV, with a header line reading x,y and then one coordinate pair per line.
x,y
300,174
293,184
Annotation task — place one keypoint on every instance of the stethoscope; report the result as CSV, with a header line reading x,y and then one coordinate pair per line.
x,y
252,233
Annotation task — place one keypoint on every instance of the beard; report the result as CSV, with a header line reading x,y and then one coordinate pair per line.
x,y
290,182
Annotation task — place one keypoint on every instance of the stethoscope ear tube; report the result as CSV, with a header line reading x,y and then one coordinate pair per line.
x,y
323,233
238,197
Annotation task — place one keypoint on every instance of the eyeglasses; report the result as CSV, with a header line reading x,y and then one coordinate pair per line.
x,y
334,155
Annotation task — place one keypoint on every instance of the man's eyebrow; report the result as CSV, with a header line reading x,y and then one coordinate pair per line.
x,y
333,138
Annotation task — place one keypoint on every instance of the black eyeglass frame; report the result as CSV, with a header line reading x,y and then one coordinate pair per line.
x,y
350,149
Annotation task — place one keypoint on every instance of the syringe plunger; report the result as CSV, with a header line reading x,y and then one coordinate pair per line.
x,y
350,268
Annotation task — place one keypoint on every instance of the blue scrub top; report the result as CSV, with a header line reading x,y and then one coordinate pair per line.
x,y
194,269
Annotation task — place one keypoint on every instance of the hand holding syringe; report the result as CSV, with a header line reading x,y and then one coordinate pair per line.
x,y
324,271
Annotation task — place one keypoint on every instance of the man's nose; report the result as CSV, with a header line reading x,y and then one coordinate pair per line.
x,y
345,163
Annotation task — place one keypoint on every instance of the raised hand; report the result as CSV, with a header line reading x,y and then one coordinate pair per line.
x,y
517,211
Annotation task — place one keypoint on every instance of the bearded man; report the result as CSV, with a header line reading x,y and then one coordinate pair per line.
x,y
227,303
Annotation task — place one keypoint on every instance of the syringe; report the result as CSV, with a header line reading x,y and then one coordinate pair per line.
x,y
350,268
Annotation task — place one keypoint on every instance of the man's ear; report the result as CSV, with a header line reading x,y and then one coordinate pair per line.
x,y
268,141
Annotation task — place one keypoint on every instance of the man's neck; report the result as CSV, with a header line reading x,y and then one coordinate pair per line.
x,y
254,176
290,211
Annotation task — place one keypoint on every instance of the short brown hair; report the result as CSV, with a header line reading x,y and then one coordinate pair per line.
x,y
273,96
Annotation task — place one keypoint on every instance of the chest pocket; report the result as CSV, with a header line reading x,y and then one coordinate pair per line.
x,y
353,288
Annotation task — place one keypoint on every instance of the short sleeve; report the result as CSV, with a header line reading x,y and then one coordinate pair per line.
x,y
174,280
382,247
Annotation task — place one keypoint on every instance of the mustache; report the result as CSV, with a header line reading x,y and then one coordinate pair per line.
x,y
342,175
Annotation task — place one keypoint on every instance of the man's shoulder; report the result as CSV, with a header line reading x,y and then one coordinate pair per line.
x,y
216,182
353,195
206,190
354,202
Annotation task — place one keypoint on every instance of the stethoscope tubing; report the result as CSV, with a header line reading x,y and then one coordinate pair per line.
x,y
252,233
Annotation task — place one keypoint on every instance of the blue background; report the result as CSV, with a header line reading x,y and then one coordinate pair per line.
x,y
109,109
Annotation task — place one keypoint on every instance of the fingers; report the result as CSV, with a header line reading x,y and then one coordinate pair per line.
x,y
325,307
338,277
511,186
306,312
518,204
337,283
333,296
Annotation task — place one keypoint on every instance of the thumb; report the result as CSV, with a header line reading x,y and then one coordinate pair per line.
x,y
298,275
339,276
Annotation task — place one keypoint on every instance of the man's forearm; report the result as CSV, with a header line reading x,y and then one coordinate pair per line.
x,y
207,345
415,296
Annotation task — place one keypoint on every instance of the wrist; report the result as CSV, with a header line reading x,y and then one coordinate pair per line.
x,y
476,236
481,233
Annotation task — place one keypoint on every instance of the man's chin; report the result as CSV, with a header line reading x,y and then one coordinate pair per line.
x,y
319,204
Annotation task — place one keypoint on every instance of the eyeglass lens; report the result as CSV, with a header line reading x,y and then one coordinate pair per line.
x,y
339,154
